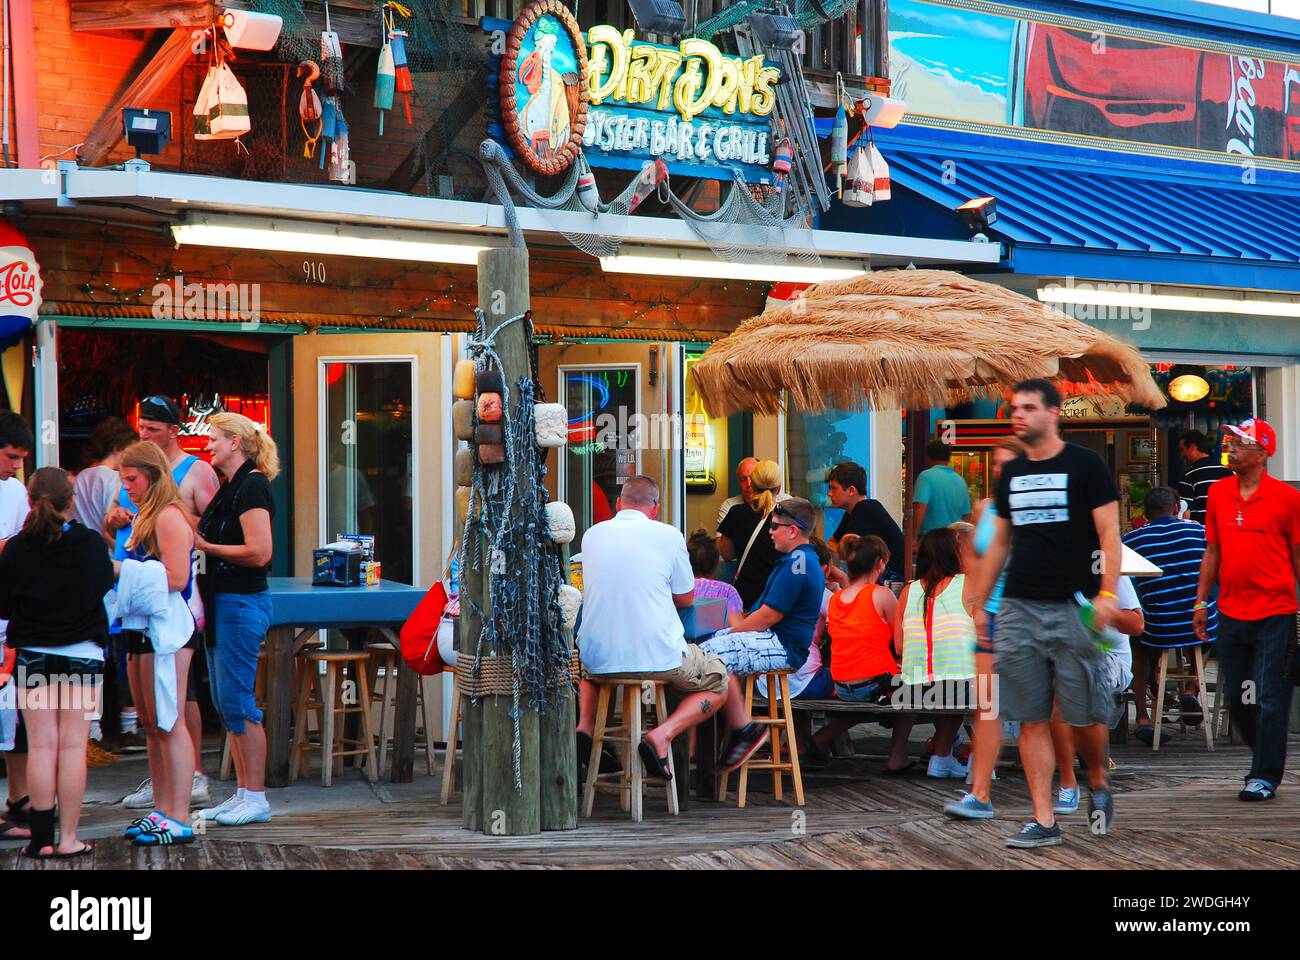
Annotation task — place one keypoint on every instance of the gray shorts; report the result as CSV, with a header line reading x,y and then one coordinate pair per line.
x,y
1044,651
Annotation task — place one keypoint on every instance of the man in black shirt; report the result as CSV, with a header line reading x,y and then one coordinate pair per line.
x,y
1202,470
846,487
1058,519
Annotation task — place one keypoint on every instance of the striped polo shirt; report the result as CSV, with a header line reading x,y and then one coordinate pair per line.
x,y
1195,485
1176,547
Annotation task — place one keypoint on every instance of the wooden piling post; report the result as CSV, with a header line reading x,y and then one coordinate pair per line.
x,y
503,810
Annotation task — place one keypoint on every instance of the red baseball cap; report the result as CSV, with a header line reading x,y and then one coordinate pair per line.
x,y
1257,431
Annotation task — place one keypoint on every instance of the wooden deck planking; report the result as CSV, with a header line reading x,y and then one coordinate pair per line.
x,y
1175,808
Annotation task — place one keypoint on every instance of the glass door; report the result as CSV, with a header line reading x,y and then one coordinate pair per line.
x,y
368,436
605,437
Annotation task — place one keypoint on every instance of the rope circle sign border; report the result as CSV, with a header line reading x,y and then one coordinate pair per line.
x,y
565,156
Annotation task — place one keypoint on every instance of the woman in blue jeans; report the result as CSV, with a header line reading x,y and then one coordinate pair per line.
x,y
235,534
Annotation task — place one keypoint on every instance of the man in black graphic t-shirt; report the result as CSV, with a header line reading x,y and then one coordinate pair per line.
x,y
1058,518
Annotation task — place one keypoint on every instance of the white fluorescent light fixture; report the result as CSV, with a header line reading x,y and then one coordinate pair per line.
x,y
670,263
1168,301
328,239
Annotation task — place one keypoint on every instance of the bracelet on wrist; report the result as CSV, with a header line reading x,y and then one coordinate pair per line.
x,y
1107,594
1199,605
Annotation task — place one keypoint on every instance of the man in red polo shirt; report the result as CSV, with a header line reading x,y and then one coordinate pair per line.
x,y
1252,529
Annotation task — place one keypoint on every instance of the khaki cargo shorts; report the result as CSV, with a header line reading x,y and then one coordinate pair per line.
x,y
700,672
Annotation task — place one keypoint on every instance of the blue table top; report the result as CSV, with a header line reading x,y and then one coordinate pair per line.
x,y
296,603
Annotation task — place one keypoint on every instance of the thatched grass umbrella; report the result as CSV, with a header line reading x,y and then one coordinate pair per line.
x,y
911,339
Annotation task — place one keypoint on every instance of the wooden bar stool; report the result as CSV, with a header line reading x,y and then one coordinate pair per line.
x,y
453,735
259,697
325,698
631,782
780,720
384,656
1208,717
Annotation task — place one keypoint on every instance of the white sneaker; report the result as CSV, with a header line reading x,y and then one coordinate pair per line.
x,y
199,792
947,767
211,813
246,811
142,798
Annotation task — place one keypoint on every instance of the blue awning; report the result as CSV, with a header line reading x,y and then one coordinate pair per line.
x,y
1099,214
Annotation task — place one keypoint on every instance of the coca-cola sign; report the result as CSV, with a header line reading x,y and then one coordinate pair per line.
x,y
20,285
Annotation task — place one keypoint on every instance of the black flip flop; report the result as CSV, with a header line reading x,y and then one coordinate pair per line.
x,y
900,771
655,765
85,849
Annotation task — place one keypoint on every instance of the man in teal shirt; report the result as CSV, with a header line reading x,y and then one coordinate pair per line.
x,y
941,496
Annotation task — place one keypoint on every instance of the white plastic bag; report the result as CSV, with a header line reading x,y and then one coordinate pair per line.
x,y
860,185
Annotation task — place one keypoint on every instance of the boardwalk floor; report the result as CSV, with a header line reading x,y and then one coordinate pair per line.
x,y
1175,809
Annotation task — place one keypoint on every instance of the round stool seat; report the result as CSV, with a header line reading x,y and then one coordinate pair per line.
x,y
334,656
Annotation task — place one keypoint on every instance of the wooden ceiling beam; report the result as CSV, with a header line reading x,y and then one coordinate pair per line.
x,y
103,15
157,74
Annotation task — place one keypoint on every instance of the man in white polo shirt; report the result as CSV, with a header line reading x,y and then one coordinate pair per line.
x,y
635,574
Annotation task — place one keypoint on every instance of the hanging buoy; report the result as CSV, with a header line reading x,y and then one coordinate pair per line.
x,y
782,157
489,408
588,196
402,71
385,81
839,135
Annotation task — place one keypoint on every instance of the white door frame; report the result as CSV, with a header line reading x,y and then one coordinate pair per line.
x,y
322,473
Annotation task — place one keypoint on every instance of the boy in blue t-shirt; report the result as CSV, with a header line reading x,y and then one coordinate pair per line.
x,y
777,633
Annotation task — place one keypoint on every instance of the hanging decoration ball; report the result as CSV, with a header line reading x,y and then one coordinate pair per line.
x,y
489,408
588,195
463,501
464,467
840,137
462,381
462,419
489,381
489,433
559,520
570,599
490,454
782,156
551,422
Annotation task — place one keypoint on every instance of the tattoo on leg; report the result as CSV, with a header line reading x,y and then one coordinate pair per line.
x,y
705,705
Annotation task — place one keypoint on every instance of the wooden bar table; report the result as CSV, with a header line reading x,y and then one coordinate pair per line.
x,y
299,609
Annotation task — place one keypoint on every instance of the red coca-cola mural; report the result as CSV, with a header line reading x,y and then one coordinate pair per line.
x,y
1120,88
20,285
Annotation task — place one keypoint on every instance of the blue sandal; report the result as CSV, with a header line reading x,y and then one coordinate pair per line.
x,y
163,833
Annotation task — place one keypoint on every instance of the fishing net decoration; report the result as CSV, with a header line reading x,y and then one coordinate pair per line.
x,y
525,622
443,58
748,226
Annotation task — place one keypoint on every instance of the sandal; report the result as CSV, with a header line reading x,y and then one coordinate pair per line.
x,y
900,771
85,849
19,812
655,765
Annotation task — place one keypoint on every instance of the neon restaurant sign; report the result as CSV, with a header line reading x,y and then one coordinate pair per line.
x,y
689,104
705,113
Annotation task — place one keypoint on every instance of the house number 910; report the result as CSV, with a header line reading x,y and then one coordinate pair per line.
x,y
314,270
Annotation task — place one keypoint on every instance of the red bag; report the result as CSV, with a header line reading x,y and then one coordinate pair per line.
x,y
420,633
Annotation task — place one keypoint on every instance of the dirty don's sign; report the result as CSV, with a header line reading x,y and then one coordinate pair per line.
x,y
623,101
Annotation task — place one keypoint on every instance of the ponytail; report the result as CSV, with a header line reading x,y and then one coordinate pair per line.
x,y
267,456
766,481
50,494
